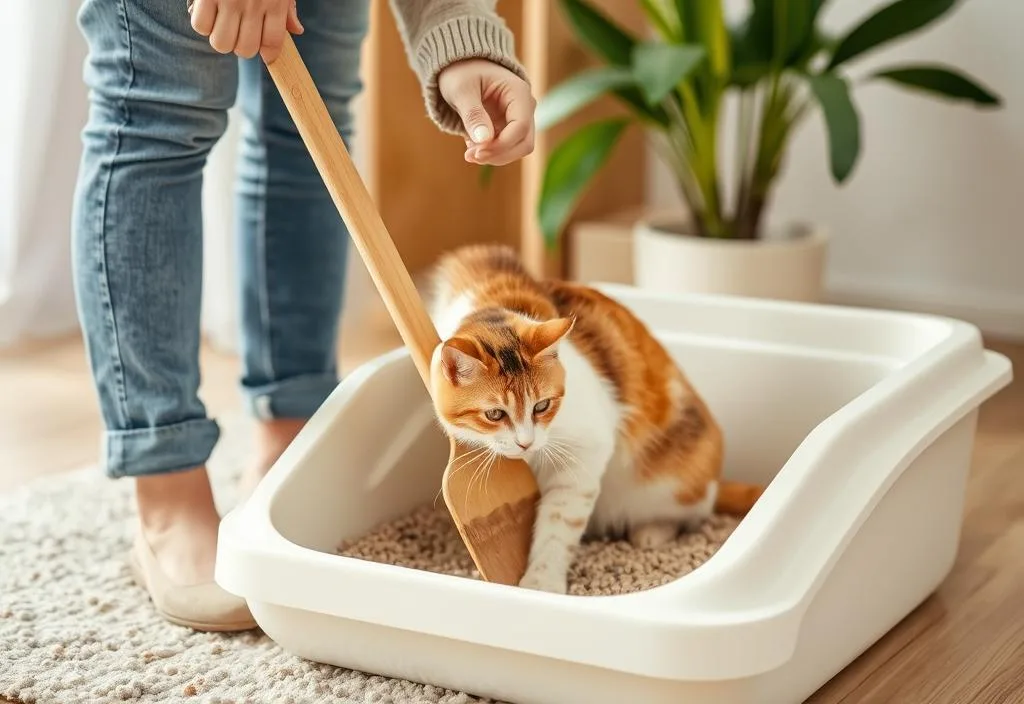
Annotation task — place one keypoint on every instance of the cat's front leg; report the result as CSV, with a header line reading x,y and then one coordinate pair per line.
x,y
568,496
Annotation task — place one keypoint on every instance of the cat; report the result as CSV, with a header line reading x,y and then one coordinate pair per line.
x,y
566,378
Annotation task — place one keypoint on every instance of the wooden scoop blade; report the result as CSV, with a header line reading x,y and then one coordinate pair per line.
x,y
494,505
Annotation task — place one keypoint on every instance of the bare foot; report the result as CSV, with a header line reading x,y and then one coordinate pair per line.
x,y
272,438
179,520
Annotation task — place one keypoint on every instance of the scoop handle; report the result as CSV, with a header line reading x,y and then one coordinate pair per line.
x,y
355,205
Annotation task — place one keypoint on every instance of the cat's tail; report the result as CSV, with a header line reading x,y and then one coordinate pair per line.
x,y
736,498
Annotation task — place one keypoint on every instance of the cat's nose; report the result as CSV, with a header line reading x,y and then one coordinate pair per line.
x,y
525,445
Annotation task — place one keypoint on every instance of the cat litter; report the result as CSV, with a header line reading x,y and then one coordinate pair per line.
x,y
861,423
427,539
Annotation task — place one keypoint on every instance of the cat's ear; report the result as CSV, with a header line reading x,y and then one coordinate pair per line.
x,y
543,338
460,360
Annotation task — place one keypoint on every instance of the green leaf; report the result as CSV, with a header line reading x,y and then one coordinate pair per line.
x,y
704,25
757,33
748,64
659,15
686,11
659,67
842,121
570,166
818,42
580,90
895,20
778,31
791,29
774,35
599,32
611,42
941,81
484,175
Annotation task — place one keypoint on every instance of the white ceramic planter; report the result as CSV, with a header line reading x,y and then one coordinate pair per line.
x,y
786,265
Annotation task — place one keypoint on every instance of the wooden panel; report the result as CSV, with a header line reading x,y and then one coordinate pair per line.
x,y
429,197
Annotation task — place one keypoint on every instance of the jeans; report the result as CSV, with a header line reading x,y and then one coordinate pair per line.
x,y
159,100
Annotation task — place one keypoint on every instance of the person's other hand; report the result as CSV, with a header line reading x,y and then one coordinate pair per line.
x,y
496,108
245,27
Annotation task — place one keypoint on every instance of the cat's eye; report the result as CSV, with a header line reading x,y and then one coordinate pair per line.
x,y
495,414
542,406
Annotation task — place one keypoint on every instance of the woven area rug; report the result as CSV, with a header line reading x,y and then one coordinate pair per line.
x,y
74,627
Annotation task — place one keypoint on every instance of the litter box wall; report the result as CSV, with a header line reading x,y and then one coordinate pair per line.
x,y
864,419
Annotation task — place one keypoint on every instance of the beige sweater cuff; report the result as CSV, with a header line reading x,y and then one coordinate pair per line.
x,y
454,40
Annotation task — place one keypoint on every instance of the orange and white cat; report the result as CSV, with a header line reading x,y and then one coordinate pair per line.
x,y
571,381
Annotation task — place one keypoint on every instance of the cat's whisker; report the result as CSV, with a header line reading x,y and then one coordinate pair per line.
x,y
487,475
562,452
567,462
546,457
471,454
474,454
563,463
481,469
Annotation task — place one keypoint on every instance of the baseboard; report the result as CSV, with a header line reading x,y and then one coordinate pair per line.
x,y
995,314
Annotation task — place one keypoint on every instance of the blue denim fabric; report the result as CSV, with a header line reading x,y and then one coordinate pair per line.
x,y
159,96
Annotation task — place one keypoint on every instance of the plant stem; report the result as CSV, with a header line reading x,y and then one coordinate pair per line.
x,y
702,156
674,153
721,222
773,133
744,129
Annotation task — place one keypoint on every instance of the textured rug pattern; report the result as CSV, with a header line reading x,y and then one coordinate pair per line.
x,y
75,628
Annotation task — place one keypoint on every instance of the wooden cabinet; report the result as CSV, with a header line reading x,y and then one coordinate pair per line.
x,y
430,199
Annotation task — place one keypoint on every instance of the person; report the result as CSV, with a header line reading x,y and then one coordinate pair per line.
x,y
162,75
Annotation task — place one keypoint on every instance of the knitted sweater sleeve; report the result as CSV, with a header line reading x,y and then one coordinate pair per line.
x,y
437,33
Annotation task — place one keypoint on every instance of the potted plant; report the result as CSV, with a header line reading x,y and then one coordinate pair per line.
x,y
780,65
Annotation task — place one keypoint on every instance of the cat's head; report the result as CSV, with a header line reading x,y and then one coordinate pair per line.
x,y
498,381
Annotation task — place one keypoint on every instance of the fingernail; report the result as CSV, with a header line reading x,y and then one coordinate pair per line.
x,y
481,133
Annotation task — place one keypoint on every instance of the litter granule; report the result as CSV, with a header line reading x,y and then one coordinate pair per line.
x,y
426,539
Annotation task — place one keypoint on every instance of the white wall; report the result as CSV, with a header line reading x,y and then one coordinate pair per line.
x,y
40,118
931,218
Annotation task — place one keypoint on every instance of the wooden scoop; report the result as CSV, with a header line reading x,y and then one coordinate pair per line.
x,y
494,513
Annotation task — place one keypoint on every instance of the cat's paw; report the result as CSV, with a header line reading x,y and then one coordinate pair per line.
x,y
694,524
653,535
544,580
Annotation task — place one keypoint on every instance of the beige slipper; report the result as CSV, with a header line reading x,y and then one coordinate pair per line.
x,y
203,607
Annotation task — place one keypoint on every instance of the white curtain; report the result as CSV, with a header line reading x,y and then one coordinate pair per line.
x,y
41,114
41,117
43,109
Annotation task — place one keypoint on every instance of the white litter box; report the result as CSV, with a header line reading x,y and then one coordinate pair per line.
x,y
862,421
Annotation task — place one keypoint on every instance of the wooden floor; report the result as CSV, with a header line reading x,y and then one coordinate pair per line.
x,y
964,645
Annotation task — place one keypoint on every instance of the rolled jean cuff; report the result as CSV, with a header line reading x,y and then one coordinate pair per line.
x,y
160,450
297,397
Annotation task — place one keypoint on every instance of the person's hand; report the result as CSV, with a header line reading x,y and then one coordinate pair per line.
x,y
245,27
496,108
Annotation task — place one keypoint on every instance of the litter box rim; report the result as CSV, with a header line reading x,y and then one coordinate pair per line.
x,y
724,635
